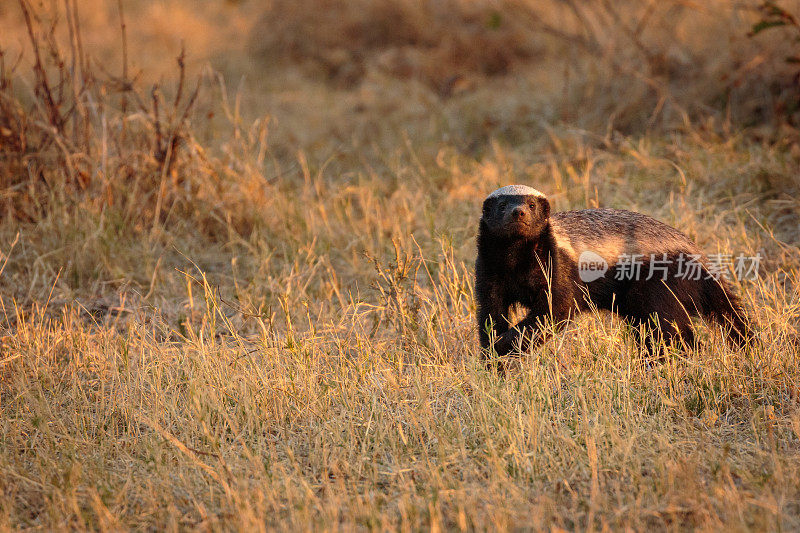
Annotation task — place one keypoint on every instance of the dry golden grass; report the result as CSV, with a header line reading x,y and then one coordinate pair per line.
x,y
258,313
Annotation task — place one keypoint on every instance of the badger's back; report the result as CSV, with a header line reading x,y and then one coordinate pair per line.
x,y
612,233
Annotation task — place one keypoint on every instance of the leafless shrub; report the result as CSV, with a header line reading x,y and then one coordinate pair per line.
x,y
68,127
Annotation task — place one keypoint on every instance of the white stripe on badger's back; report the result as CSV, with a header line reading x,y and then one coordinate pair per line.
x,y
516,190
563,240
612,232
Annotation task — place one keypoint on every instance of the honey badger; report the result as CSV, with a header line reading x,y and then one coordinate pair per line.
x,y
530,257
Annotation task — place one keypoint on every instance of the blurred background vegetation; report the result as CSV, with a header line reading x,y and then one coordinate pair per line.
x,y
186,119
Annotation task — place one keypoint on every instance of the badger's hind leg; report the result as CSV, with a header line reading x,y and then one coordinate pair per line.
x,y
722,305
659,332
666,312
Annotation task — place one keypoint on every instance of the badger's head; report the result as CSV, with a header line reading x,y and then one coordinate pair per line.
x,y
515,212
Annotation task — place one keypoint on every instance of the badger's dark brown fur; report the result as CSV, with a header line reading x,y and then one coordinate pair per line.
x,y
528,257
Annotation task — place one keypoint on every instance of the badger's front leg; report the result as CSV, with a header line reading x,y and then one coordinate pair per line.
x,y
531,330
492,316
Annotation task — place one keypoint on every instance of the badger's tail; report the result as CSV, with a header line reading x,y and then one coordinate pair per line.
x,y
724,306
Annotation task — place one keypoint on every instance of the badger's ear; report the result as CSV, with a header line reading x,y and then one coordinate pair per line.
x,y
488,204
544,205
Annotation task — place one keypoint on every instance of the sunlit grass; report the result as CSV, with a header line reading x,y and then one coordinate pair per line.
x,y
385,417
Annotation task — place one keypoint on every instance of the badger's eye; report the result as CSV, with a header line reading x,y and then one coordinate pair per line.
x,y
532,205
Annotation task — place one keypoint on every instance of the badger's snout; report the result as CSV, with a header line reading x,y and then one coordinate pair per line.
x,y
517,217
